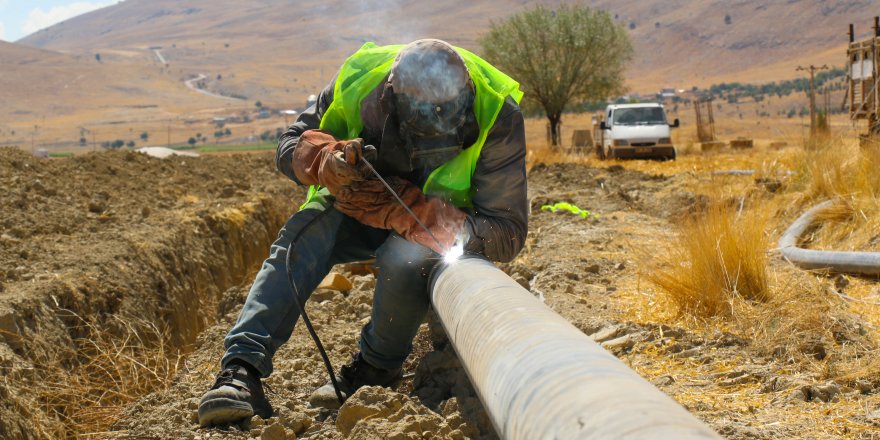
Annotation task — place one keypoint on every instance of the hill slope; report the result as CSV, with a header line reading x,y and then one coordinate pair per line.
x,y
677,41
278,53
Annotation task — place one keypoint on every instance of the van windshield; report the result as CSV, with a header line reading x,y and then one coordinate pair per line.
x,y
639,116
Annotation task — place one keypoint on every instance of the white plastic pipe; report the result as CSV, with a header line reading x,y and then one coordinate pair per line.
x,y
537,375
863,263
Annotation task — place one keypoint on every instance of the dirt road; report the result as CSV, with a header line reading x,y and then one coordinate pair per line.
x,y
190,83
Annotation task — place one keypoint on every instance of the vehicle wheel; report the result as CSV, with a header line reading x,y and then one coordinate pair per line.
x,y
671,157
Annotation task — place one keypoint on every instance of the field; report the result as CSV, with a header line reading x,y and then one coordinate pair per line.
x,y
120,273
128,271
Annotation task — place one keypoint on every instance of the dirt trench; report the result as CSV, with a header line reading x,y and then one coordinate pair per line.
x,y
117,246
436,400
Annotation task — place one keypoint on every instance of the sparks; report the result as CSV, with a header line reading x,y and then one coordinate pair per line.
x,y
454,253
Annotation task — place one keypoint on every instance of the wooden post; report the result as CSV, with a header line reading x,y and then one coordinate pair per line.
x,y
812,69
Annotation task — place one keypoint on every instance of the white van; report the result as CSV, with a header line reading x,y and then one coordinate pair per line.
x,y
632,131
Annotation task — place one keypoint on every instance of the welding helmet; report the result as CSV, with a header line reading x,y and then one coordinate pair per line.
x,y
432,96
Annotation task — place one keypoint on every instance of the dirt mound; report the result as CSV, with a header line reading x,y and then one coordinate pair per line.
x,y
121,248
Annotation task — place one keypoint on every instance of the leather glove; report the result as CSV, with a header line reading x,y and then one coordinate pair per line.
x,y
369,202
321,159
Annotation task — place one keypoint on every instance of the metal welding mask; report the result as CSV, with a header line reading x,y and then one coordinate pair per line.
x,y
431,95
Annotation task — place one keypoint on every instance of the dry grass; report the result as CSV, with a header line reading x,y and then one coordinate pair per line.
x,y
841,170
120,361
720,255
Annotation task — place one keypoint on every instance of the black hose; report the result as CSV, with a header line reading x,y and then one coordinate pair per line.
x,y
306,320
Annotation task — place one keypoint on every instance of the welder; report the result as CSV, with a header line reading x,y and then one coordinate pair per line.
x,y
450,148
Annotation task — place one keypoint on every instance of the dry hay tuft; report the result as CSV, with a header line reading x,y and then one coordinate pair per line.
x,y
719,256
119,366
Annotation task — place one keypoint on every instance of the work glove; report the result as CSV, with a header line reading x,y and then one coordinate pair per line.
x,y
369,202
321,159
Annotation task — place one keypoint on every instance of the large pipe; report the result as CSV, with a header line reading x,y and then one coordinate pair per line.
x,y
537,375
863,263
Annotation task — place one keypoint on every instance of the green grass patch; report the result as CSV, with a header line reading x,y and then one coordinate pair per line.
x,y
61,154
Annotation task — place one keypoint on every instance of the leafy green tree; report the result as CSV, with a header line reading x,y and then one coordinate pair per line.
x,y
145,136
568,55
192,141
130,144
118,143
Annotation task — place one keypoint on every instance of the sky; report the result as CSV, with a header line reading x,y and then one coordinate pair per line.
x,y
19,18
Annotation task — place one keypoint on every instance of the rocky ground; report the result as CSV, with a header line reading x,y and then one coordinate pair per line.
x,y
588,270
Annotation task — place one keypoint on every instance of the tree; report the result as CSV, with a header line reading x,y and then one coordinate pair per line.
x,y
728,19
118,143
192,141
82,142
569,55
259,104
130,144
145,136
98,57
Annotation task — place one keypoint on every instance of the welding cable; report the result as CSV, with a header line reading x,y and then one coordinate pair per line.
x,y
302,309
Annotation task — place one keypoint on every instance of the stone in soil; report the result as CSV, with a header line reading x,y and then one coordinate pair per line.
x,y
274,432
336,281
376,412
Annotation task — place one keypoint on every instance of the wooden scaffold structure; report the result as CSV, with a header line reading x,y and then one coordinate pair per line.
x,y
862,78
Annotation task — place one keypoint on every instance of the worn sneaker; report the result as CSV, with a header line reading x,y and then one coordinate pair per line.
x,y
358,373
237,395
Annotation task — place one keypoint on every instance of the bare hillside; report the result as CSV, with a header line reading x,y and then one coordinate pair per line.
x,y
156,53
36,84
677,41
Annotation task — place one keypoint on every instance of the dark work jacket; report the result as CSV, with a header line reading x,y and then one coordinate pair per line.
x,y
498,221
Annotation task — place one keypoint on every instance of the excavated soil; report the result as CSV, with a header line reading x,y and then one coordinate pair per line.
x,y
585,269
114,245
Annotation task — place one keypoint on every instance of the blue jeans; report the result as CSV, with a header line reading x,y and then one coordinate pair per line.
x,y
325,237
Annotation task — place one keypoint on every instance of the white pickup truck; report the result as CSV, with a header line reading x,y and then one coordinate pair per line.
x,y
632,131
